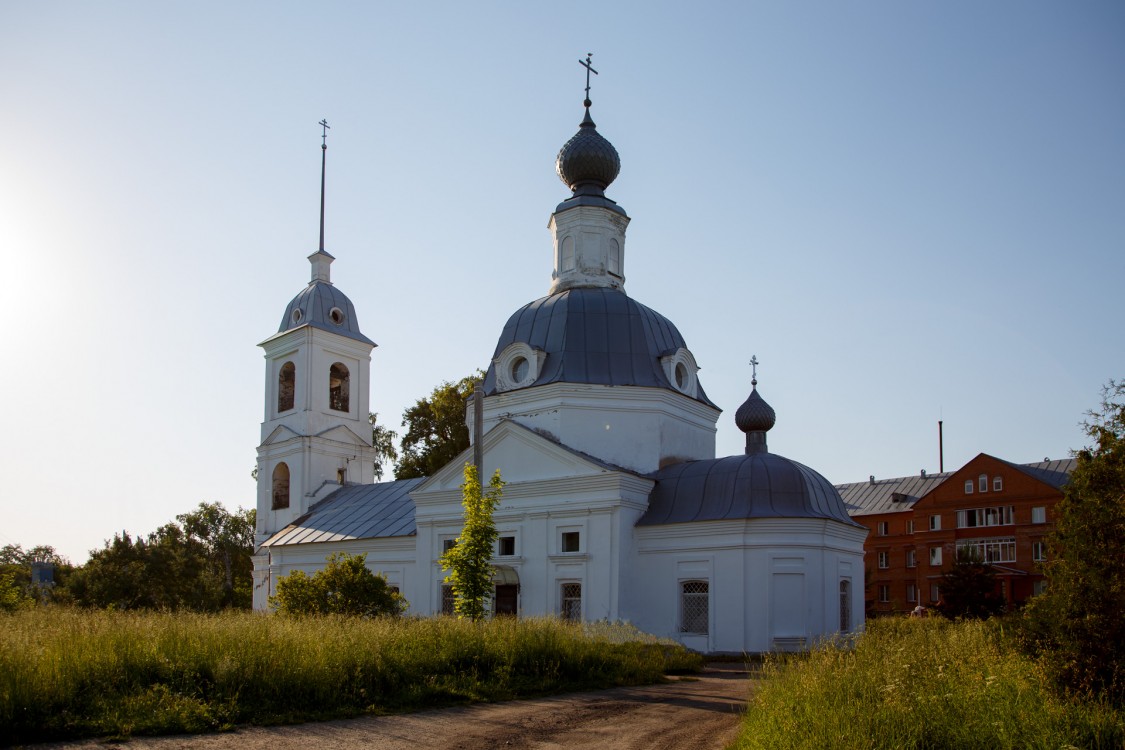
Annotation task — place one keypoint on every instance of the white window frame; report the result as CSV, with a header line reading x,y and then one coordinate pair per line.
x,y
911,558
935,522
1039,551
997,484
968,486
935,557
1039,514
563,534
881,528
935,593
884,560
990,550
884,593
982,483
910,526
994,515
911,593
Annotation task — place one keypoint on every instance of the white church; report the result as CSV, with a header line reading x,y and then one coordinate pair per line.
x,y
615,506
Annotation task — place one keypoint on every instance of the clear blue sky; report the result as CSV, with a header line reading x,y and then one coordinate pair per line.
x,y
909,212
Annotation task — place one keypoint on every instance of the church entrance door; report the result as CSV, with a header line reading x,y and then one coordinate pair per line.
x,y
506,598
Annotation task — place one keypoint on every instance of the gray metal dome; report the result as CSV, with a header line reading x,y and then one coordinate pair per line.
x,y
588,160
760,485
593,335
321,305
755,415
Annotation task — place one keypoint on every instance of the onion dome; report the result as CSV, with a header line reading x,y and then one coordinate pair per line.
x,y
755,415
588,163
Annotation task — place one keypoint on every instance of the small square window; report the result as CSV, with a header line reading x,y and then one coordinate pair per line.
x,y
506,546
884,560
935,556
571,541
448,544
997,484
1039,515
968,486
882,528
935,522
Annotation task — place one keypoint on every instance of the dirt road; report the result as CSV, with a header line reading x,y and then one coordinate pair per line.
x,y
695,712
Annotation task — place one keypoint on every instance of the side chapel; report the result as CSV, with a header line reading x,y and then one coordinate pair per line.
x,y
615,506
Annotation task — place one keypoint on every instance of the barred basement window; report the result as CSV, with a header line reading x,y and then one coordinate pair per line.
x,y
571,602
447,600
695,597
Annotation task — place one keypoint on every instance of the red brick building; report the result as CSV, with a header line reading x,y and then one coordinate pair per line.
x,y
1000,510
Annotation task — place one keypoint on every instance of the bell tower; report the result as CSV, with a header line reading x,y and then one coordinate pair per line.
x,y
315,433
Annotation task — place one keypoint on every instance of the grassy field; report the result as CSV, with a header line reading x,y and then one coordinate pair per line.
x,y
74,673
920,684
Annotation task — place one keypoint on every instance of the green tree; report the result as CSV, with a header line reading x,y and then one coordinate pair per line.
x,y
469,559
344,586
383,438
968,589
200,562
436,431
13,594
228,542
1077,624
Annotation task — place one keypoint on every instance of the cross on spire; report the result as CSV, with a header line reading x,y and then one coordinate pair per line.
x,y
754,369
324,137
586,64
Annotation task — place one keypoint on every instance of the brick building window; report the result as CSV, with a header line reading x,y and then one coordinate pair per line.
x,y
1038,551
1039,515
881,528
1002,515
935,556
982,483
910,526
935,592
884,593
968,486
884,560
998,550
911,592
935,522
911,558
997,484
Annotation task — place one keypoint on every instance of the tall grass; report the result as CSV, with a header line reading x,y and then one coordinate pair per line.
x,y
73,673
920,684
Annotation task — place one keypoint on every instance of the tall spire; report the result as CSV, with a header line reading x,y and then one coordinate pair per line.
x,y
323,161
321,260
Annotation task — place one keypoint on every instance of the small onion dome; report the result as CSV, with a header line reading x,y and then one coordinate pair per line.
x,y
755,415
588,161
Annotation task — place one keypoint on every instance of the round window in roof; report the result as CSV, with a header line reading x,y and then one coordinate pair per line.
x,y
336,315
519,369
681,376
296,315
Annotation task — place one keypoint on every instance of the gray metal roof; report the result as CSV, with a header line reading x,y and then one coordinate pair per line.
x,y
900,493
593,335
760,485
357,511
1055,473
314,306
887,495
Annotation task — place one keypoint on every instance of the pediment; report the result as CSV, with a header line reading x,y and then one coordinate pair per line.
x,y
343,434
280,434
521,455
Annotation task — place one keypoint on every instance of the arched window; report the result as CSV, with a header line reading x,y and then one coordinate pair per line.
x,y
845,606
281,486
566,254
338,379
695,603
286,386
614,264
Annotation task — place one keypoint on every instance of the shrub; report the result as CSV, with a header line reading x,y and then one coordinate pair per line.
x,y
343,587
